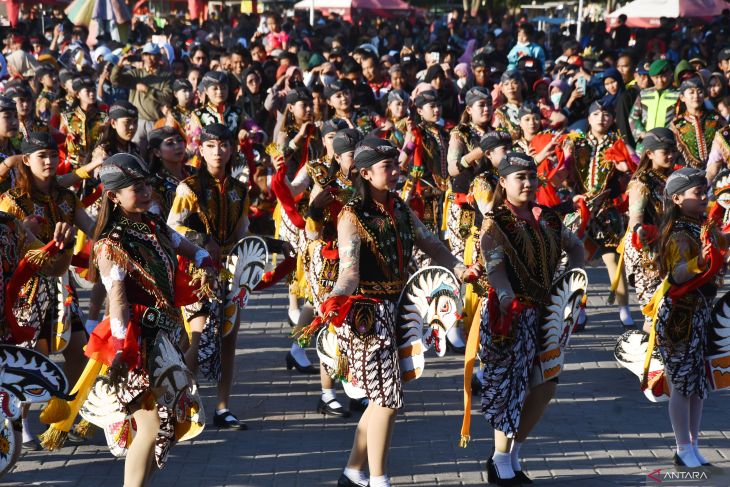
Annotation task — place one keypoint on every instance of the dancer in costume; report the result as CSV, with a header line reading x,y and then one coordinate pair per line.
x,y
27,120
331,191
426,180
696,126
167,166
505,116
521,245
466,163
40,201
376,234
20,259
690,261
217,109
83,125
211,209
119,131
646,203
9,142
465,159
300,143
397,121
134,256
601,163
339,95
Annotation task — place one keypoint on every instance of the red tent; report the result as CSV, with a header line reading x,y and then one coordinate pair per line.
x,y
646,13
344,8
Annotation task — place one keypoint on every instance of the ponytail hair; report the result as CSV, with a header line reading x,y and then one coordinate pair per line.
x,y
669,216
102,220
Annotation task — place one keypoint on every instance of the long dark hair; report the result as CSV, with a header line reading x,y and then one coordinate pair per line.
x,y
108,139
362,198
670,215
102,220
500,196
25,179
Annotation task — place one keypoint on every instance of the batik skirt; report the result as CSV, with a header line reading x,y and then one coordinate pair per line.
x,y
681,336
508,365
367,340
641,272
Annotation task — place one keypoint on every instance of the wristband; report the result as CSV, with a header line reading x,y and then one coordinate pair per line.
x,y
463,163
293,145
81,173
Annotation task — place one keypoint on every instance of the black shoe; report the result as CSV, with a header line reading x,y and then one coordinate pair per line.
x,y
75,438
522,477
327,409
494,478
450,347
579,327
678,462
32,445
476,386
291,363
359,404
344,481
228,420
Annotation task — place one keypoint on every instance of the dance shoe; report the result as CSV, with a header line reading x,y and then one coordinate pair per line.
x,y
32,445
522,477
229,421
476,385
344,481
291,363
494,478
327,409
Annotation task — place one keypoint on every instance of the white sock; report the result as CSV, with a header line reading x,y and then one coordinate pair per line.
x,y
455,337
581,316
90,325
300,355
503,463
515,456
699,456
687,454
379,481
328,395
357,476
294,316
27,435
625,314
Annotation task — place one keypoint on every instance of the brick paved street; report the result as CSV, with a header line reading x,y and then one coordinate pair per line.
x,y
600,430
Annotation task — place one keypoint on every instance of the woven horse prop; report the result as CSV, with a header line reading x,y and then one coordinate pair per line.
x,y
26,377
429,306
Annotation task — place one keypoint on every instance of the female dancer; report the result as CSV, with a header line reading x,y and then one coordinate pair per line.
x,y
38,199
299,141
377,233
646,202
397,122
601,162
505,116
134,255
331,191
211,209
690,262
167,167
521,245
695,127
465,159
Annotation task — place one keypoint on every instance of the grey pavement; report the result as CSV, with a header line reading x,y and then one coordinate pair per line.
x,y
598,431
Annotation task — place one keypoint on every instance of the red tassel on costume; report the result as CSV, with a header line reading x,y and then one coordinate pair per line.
x,y
82,258
101,342
184,292
282,270
501,324
24,271
585,216
246,148
335,309
651,233
283,193
715,262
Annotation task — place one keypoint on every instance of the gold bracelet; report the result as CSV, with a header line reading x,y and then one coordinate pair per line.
x,y
82,173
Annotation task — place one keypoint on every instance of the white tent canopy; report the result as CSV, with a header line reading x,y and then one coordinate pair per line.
x,y
646,13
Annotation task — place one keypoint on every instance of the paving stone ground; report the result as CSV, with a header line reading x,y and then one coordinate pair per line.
x,y
598,431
